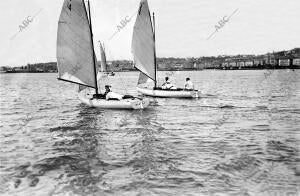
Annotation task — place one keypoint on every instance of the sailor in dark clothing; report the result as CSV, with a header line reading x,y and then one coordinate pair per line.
x,y
107,90
103,96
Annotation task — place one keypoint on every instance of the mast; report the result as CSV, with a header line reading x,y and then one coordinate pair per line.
x,y
155,66
94,59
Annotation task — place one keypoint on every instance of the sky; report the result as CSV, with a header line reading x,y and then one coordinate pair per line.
x,y
182,28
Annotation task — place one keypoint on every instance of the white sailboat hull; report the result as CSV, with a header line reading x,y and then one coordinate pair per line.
x,y
134,104
169,93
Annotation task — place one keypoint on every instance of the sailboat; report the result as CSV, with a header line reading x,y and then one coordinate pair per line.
x,y
104,69
76,59
144,56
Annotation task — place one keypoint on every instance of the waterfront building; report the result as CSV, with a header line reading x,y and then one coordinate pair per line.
x,y
296,61
225,64
249,63
284,62
240,64
233,64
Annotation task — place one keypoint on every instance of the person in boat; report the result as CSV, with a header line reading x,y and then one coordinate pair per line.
x,y
167,85
188,84
109,95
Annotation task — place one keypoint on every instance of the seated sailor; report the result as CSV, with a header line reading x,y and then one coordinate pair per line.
x,y
109,95
188,84
167,84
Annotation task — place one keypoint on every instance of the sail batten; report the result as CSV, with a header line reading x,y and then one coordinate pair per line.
x,y
143,44
75,53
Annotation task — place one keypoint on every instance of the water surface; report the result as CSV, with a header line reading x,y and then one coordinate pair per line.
x,y
242,138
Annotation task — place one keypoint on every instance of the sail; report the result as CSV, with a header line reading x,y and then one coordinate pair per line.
x,y
103,59
143,78
75,53
142,45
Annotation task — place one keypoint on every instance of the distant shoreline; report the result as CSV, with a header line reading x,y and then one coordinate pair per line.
x,y
221,69
276,60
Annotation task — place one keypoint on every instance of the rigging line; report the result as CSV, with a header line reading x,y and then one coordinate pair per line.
x,y
75,82
93,49
143,73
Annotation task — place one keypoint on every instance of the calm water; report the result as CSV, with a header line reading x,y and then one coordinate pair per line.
x,y
242,138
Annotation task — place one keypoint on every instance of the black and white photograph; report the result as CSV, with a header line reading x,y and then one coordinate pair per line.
x,y
150,98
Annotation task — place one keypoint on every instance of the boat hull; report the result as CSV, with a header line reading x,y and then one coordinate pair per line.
x,y
131,104
169,93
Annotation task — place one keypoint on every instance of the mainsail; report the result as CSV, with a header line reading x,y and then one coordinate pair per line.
x,y
143,43
103,58
143,79
75,53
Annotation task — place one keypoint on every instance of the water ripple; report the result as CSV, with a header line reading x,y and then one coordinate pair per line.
x,y
240,139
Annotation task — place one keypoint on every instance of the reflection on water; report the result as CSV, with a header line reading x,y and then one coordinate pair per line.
x,y
241,139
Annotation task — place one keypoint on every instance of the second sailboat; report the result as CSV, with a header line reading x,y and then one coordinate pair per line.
x,y
144,55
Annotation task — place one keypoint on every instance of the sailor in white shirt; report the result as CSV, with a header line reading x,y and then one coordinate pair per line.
x,y
167,84
111,95
189,84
